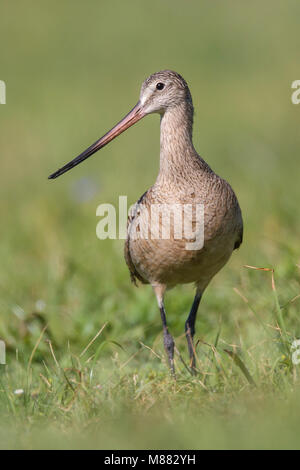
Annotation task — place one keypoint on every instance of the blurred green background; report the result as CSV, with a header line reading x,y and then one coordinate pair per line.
x,y
72,69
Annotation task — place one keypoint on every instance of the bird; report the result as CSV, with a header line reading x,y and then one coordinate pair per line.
x,y
184,180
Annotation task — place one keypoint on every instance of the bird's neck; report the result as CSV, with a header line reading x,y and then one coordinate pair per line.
x,y
176,145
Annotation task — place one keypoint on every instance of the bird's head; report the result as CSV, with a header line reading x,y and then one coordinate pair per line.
x,y
163,90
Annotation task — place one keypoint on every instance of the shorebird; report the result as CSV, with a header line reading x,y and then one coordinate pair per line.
x,y
184,179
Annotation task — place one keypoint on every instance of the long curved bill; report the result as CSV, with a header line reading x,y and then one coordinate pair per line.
x,y
131,118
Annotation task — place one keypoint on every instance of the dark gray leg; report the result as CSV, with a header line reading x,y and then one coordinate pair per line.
x,y
190,329
169,344
168,339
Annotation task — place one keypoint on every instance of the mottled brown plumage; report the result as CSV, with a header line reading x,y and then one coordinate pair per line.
x,y
184,180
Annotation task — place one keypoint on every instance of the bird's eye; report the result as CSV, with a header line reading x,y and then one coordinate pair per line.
x,y
160,86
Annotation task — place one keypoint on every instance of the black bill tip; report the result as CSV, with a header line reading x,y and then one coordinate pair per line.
x,y
57,173
83,156
53,176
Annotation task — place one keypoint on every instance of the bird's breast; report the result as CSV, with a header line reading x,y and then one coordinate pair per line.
x,y
184,236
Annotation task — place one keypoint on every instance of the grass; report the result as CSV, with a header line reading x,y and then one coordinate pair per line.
x,y
69,78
